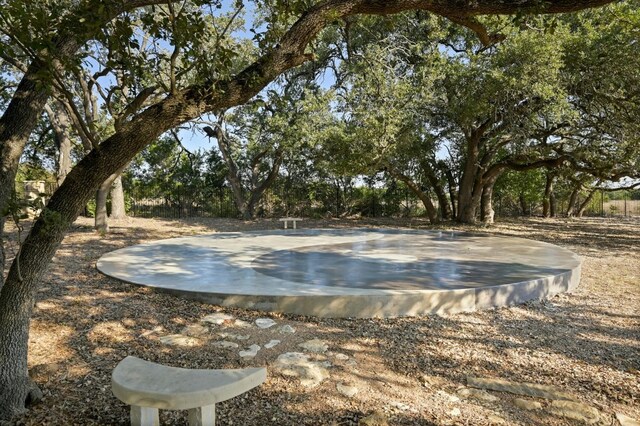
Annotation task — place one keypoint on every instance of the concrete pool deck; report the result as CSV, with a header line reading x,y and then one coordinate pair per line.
x,y
350,273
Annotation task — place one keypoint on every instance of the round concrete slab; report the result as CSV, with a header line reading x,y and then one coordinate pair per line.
x,y
350,273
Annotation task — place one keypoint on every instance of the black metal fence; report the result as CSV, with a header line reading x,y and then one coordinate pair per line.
x,y
324,200
602,205
280,200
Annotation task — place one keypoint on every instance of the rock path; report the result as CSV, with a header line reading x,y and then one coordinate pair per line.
x,y
311,368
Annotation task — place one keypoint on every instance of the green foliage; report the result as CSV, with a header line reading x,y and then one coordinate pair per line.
x,y
33,171
409,90
165,168
527,185
51,220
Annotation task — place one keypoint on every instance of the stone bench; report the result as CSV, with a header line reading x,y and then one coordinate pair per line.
x,y
292,219
148,386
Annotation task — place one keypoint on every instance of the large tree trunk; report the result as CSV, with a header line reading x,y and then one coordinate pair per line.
x,y
487,212
233,174
524,206
585,203
469,194
257,192
62,129
102,194
18,293
573,200
436,184
553,205
469,205
101,218
453,195
16,124
432,212
16,388
118,208
64,160
548,196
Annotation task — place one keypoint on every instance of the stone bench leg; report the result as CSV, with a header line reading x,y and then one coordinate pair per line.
x,y
294,224
285,224
203,416
144,416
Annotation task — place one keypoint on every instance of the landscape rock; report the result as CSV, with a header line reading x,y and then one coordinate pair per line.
x,y
625,420
526,389
314,345
179,340
455,412
157,329
448,396
575,411
234,336
217,318
241,323
251,352
226,345
478,394
375,419
271,344
265,322
348,391
195,330
296,364
286,329
527,404
401,406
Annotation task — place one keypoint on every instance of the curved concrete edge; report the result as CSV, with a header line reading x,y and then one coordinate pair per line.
x,y
138,382
425,302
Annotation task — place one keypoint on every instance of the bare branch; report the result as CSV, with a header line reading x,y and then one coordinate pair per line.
x,y
487,39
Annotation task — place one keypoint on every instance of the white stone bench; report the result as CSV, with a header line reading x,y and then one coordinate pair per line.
x,y
148,386
292,219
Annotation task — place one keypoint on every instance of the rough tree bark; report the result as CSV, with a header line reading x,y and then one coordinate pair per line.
x,y
101,223
256,189
468,198
453,193
524,205
583,206
259,188
432,212
487,212
438,189
19,289
62,129
548,196
573,200
118,208
16,124
553,210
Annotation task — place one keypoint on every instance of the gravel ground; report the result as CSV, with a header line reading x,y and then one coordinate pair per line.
x,y
410,370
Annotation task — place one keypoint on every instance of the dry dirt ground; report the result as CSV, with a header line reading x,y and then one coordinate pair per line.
x,y
409,369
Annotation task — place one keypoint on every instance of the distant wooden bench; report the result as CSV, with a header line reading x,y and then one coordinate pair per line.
x,y
292,219
148,386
